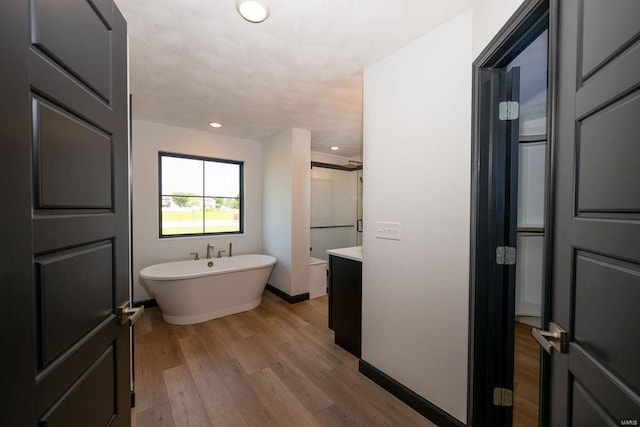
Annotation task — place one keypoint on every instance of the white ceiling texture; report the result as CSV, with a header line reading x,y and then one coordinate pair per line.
x,y
197,61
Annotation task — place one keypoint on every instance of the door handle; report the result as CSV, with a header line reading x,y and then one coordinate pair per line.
x,y
128,314
359,226
555,337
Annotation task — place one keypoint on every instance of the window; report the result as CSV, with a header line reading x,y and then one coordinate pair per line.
x,y
199,195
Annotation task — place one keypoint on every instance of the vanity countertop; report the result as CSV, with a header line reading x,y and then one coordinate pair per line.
x,y
354,253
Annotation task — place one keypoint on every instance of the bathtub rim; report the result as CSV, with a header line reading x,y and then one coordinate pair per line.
x,y
272,261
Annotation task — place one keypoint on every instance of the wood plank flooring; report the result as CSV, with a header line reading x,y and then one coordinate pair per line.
x,y
276,365
526,377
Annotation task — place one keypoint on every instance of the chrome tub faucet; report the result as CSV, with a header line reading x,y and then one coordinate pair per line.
x,y
209,249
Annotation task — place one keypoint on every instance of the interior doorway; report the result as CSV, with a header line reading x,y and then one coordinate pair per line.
x,y
589,373
510,213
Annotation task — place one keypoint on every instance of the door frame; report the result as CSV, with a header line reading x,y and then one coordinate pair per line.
x,y
484,372
17,323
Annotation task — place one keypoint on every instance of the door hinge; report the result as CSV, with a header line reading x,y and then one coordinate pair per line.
x,y
508,110
502,397
505,255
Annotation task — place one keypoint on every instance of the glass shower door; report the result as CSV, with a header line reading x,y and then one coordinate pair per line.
x,y
334,210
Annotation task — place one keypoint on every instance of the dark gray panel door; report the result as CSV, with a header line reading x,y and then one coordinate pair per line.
x,y
596,277
64,246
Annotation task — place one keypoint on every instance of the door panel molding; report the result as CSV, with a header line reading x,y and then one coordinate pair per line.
x,y
80,402
85,273
64,182
611,83
84,49
606,292
607,160
52,381
586,411
56,85
606,30
63,230
613,394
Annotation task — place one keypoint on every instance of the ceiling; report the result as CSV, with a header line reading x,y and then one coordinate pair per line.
x,y
197,61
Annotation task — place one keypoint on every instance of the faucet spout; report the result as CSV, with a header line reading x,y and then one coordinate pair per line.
x,y
209,249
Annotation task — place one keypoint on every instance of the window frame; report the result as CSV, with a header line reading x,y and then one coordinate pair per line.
x,y
240,164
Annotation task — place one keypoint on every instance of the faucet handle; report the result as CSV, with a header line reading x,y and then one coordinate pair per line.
x,y
209,249
219,253
196,257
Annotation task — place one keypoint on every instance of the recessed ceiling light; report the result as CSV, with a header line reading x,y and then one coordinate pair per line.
x,y
334,148
253,10
215,124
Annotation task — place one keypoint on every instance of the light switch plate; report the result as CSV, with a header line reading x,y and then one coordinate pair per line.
x,y
388,230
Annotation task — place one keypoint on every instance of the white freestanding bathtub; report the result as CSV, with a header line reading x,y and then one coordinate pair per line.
x,y
193,292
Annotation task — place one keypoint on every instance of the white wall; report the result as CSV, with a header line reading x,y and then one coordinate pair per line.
x,y
148,248
301,209
417,147
286,184
417,109
276,202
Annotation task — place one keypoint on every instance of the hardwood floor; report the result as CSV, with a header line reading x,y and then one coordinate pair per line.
x,y
526,377
276,365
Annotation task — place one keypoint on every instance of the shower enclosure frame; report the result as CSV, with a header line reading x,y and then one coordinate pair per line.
x,y
357,225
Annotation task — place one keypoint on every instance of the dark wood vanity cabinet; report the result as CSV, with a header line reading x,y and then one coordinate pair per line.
x,y
345,303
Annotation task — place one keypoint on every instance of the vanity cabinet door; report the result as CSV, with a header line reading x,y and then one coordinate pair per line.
x,y
345,278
